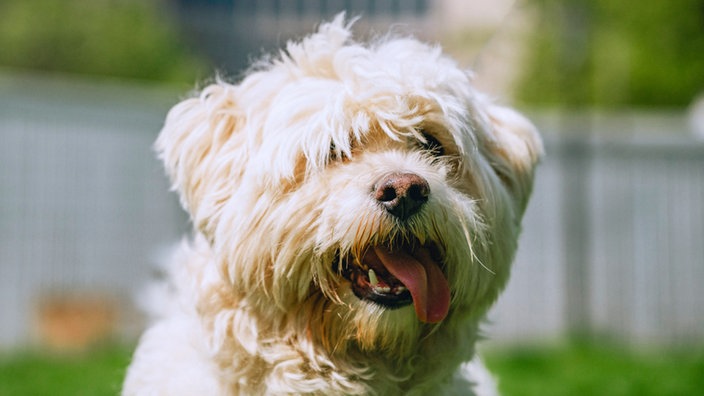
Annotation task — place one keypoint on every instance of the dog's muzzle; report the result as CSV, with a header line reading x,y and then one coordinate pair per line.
x,y
401,271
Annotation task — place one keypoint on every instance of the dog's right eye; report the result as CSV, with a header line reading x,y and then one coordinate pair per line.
x,y
334,153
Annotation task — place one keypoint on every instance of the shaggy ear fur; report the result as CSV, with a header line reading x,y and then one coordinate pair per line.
x,y
515,148
195,132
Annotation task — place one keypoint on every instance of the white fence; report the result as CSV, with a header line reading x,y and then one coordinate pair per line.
x,y
83,203
613,240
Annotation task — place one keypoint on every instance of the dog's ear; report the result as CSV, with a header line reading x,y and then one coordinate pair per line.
x,y
198,145
515,148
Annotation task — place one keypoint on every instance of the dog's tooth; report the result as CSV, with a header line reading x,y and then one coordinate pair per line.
x,y
373,280
399,290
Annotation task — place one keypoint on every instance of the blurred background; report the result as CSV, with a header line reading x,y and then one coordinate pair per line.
x,y
607,285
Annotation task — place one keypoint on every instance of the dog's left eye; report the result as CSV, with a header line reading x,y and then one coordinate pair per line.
x,y
431,145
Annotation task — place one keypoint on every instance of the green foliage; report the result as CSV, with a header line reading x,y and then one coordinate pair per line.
x,y
121,38
97,372
615,53
575,369
590,369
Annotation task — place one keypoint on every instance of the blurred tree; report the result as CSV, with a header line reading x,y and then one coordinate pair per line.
x,y
121,38
615,53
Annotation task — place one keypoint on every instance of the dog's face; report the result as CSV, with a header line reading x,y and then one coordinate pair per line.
x,y
354,195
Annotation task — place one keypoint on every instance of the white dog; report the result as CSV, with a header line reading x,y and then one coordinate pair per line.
x,y
356,211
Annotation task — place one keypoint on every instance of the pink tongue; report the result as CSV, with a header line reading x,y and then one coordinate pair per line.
x,y
423,278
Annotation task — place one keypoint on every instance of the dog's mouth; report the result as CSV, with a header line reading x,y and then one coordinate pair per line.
x,y
401,274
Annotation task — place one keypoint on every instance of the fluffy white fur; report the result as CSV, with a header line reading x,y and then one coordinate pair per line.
x,y
277,174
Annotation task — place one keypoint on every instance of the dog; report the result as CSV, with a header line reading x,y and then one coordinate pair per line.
x,y
356,208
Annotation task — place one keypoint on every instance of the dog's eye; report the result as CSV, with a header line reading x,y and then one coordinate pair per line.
x,y
431,144
335,153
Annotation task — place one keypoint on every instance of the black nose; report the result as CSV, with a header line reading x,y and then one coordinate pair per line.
x,y
402,194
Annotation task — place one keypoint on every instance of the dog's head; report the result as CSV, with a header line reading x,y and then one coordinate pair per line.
x,y
361,193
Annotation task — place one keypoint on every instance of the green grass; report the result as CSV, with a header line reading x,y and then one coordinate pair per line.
x,y
94,373
577,369
586,369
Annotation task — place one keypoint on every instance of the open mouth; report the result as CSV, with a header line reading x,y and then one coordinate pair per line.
x,y
399,275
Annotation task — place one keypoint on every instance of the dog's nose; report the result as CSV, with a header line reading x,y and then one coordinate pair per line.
x,y
402,194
